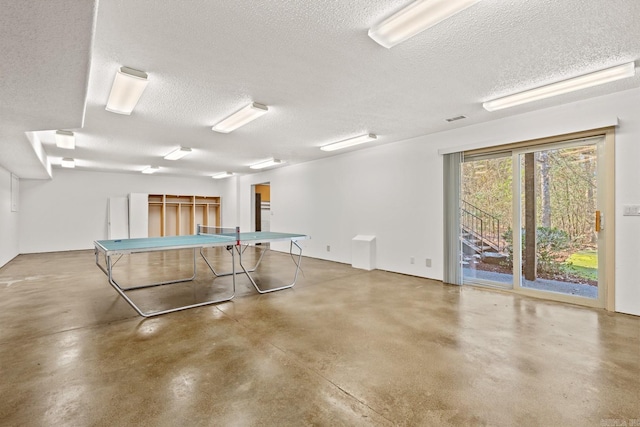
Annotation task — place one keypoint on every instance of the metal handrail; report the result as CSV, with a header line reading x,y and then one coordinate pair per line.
x,y
483,225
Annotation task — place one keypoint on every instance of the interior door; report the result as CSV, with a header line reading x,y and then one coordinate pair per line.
x,y
258,212
118,218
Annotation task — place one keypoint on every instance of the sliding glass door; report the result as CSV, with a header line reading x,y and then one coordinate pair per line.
x,y
532,219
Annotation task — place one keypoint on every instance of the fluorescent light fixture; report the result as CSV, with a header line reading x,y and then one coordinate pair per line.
x,y
126,90
222,175
267,163
349,142
565,86
241,117
415,18
151,169
65,139
68,163
178,153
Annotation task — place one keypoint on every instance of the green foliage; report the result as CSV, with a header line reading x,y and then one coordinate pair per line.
x,y
486,184
565,196
572,191
584,264
584,259
551,244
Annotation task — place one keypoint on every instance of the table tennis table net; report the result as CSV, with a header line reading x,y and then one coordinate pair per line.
x,y
209,230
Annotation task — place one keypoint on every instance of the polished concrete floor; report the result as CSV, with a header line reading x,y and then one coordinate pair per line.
x,y
344,347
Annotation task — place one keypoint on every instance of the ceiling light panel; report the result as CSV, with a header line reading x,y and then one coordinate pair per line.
x,y
349,142
267,163
126,91
65,139
415,18
68,163
222,175
241,118
565,86
178,153
151,169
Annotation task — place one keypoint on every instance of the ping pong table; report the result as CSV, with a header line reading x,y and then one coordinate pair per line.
x,y
110,251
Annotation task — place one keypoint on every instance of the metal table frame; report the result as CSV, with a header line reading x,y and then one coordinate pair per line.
x,y
263,250
108,270
239,244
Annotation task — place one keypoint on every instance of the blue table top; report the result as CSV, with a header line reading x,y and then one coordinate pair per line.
x,y
192,241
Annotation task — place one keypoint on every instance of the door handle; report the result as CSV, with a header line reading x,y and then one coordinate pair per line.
x,y
598,221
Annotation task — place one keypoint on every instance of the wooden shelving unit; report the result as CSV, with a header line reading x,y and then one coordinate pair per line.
x,y
178,215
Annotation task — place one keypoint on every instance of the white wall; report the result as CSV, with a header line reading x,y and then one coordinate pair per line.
x,y
386,191
394,191
627,193
69,212
8,220
228,190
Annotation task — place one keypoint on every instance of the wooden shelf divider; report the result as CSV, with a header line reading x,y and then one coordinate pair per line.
x,y
179,214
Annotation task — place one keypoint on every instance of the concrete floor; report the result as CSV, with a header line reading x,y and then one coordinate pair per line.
x,y
344,347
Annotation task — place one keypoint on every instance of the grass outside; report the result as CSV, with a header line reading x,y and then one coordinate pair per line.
x,y
583,264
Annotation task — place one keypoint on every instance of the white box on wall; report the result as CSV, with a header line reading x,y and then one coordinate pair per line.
x,y
363,252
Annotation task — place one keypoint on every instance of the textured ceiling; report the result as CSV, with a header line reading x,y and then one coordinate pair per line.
x,y
44,72
311,62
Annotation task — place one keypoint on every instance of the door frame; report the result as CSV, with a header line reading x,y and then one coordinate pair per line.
x,y
602,196
606,191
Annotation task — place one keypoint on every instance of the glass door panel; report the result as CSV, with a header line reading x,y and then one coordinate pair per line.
x,y
486,211
558,204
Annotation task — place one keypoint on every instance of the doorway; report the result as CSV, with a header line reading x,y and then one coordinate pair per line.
x,y
554,195
261,206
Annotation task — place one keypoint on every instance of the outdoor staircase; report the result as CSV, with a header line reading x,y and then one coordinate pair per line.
x,y
481,235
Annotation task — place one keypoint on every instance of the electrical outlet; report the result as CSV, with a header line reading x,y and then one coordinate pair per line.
x,y
328,248
412,260
427,262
